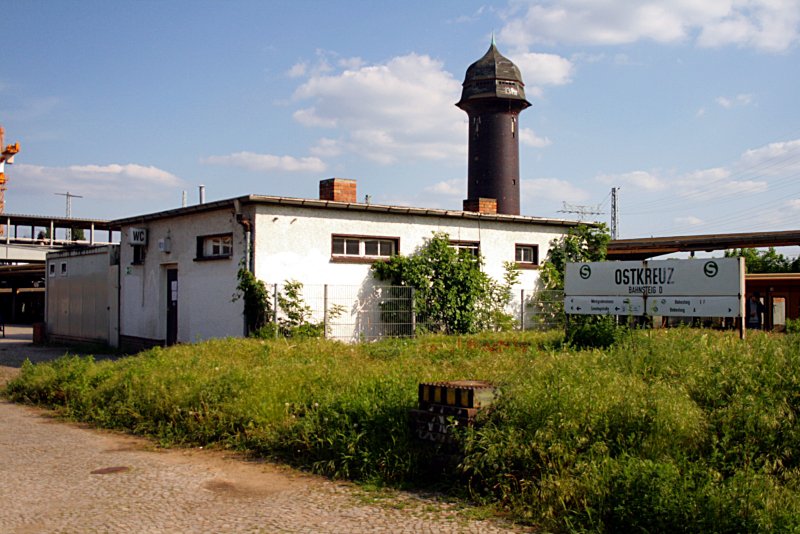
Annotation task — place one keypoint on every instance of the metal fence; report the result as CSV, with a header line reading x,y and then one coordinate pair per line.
x,y
371,311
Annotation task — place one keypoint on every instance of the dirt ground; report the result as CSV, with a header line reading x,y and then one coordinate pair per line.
x,y
57,476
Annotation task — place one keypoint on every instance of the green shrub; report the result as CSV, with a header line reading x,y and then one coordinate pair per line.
x,y
792,326
593,331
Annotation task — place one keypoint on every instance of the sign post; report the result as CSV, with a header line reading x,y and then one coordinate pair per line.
x,y
673,288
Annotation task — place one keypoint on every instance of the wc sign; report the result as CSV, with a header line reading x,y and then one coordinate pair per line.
x,y
137,236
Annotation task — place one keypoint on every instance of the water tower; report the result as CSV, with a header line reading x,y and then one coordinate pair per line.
x,y
493,95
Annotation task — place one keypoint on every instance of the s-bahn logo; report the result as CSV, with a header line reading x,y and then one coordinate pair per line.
x,y
585,272
711,269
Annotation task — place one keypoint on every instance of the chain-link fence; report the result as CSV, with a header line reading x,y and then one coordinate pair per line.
x,y
542,309
370,311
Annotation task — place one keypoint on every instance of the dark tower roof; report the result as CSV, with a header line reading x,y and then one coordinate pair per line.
x,y
493,76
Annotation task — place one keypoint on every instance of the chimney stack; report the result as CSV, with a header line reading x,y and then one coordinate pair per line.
x,y
481,205
338,190
202,192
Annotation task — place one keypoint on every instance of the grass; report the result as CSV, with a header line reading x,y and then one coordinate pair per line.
x,y
679,431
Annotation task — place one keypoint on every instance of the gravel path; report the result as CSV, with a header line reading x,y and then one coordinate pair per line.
x,y
64,477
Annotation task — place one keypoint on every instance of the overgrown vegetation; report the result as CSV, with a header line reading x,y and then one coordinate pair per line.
x,y
451,293
254,293
580,244
666,431
295,319
765,261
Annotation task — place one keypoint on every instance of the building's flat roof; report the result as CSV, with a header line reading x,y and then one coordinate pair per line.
x,y
60,222
333,205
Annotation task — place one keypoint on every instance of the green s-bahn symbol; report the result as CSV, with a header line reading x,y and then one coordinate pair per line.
x,y
585,272
711,269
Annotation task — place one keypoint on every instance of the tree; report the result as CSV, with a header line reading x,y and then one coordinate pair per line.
x,y
76,234
452,294
765,261
581,243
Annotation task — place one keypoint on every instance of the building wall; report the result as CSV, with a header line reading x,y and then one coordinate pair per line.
x,y
295,243
290,243
81,297
205,287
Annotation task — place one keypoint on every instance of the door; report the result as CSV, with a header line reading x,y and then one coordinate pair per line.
x,y
779,313
172,306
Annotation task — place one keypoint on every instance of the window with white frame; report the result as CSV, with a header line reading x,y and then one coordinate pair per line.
x,y
527,254
362,246
472,247
211,247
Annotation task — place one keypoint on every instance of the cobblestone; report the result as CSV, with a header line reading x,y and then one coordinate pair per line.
x,y
67,478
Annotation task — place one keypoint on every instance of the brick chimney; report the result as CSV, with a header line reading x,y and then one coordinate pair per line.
x,y
338,190
481,205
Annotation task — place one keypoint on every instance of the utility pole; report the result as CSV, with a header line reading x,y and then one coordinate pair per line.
x,y
69,196
614,213
581,211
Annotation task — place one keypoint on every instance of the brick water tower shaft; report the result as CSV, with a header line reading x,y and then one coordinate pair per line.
x,y
493,96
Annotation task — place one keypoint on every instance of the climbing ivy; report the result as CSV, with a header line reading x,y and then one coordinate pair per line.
x,y
254,293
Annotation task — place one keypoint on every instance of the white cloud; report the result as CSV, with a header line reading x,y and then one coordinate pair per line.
x,y
769,25
708,184
793,204
267,162
781,158
543,69
327,147
636,179
735,101
528,137
551,189
449,188
297,70
401,109
107,181
689,220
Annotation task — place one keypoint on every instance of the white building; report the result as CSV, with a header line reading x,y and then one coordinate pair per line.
x,y
178,268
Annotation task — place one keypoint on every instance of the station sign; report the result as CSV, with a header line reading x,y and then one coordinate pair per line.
x,y
712,287
697,277
694,306
608,305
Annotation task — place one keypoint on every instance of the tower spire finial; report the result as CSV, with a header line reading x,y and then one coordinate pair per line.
x,y
493,43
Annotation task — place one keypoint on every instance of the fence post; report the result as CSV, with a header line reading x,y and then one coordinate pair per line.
x,y
413,315
521,310
275,308
325,311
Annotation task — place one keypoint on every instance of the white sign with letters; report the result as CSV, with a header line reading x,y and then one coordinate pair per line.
x,y
711,287
701,277
586,305
137,236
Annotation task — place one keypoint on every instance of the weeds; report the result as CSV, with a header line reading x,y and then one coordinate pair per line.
x,y
682,430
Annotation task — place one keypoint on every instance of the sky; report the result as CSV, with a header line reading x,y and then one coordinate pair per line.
x,y
688,107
